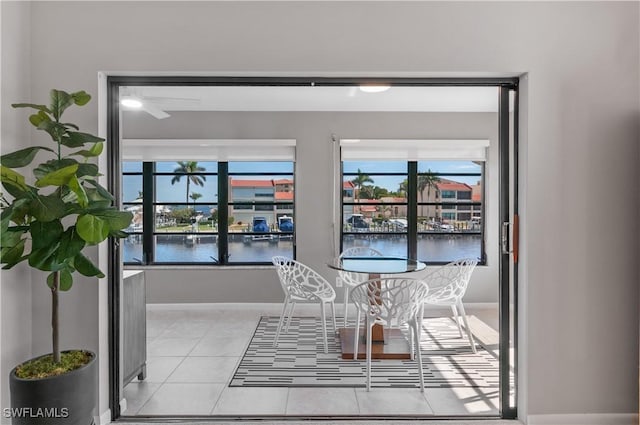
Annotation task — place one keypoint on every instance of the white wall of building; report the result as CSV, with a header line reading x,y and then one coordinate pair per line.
x,y
579,278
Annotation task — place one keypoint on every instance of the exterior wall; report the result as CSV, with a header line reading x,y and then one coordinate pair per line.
x,y
578,294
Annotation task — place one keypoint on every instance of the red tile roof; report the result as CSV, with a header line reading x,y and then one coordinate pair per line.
x,y
251,183
348,185
284,196
283,181
367,208
454,186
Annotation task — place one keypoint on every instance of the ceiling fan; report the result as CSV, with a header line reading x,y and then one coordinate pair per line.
x,y
132,100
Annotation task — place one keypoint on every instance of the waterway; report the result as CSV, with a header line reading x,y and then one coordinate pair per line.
x,y
438,248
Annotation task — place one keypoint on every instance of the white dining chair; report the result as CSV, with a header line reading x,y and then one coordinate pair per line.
x,y
385,301
302,284
447,285
351,279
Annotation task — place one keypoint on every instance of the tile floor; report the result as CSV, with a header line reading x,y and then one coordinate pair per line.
x,y
193,352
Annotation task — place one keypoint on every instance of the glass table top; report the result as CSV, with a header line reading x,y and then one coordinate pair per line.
x,y
376,265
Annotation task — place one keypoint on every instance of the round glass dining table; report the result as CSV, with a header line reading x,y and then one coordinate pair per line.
x,y
393,345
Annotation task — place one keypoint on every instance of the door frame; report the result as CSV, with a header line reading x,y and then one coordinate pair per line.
x,y
508,193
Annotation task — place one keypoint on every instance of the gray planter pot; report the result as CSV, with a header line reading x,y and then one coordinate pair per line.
x,y
67,399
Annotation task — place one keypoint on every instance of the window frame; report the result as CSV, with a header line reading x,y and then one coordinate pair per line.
x,y
149,231
412,204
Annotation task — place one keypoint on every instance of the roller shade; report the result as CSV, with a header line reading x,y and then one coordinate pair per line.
x,y
209,149
413,150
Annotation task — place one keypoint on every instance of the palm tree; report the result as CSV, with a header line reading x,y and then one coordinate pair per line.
x,y
195,196
402,188
427,181
188,168
360,180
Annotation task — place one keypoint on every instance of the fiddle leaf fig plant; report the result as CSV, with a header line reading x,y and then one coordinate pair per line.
x,y
47,220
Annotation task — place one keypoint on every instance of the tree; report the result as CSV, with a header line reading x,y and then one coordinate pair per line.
x,y
360,180
188,168
427,181
195,196
402,187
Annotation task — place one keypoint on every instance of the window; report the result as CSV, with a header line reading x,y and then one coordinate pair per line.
x,y
424,208
210,212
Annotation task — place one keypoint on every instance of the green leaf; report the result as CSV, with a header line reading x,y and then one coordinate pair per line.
x,y
60,100
16,212
47,208
116,220
77,188
81,97
13,178
71,125
12,255
31,105
85,267
70,244
21,158
52,165
45,258
56,130
100,193
45,233
88,170
79,139
59,177
39,118
95,150
66,280
92,229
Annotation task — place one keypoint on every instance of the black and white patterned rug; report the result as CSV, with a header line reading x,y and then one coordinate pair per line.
x,y
299,360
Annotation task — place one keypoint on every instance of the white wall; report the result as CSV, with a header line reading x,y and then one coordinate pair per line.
x,y
579,281
314,169
15,285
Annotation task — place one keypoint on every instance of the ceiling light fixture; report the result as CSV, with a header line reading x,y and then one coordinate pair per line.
x,y
131,102
374,88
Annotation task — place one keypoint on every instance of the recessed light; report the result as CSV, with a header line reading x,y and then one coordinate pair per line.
x,y
131,102
374,88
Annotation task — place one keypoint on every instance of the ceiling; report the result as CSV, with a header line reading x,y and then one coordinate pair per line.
x,y
315,98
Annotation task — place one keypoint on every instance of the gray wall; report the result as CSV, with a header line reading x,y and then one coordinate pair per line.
x,y
314,169
579,278
15,285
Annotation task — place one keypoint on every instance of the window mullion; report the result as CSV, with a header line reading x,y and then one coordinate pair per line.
x,y
148,212
412,209
223,212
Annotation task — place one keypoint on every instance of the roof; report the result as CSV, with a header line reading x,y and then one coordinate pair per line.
x,y
251,183
283,181
392,199
368,208
461,187
348,185
284,196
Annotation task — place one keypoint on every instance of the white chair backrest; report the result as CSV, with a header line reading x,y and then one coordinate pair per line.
x,y
450,281
390,299
360,251
301,280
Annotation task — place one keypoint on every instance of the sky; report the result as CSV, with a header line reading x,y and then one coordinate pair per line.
x,y
166,192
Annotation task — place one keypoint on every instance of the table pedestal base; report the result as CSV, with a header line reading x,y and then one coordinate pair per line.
x,y
394,347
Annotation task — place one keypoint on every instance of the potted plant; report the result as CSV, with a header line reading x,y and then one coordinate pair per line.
x,y
47,221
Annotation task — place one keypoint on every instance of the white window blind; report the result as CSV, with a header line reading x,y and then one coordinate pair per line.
x,y
413,150
209,149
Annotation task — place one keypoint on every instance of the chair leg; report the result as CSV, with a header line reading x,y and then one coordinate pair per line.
x,y
293,306
416,334
412,347
356,337
468,329
324,327
281,321
456,318
346,303
368,353
333,315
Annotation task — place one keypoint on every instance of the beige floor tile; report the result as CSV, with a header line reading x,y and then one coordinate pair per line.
x,y
252,401
322,401
204,369
392,401
182,399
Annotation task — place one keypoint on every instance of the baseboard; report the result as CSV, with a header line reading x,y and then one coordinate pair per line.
x,y
104,418
584,419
